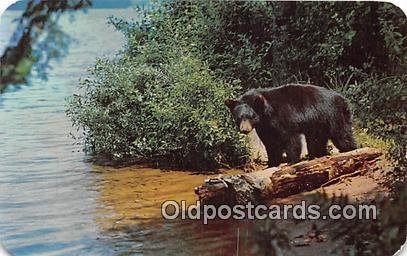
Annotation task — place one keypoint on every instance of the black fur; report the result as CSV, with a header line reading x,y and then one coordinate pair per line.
x,y
281,114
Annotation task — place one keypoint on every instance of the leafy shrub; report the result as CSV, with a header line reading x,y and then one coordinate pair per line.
x,y
380,105
138,105
264,44
383,236
172,113
270,43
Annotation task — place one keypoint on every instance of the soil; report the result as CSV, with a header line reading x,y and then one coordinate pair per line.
x,y
312,237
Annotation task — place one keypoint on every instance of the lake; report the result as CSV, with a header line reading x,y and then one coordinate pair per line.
x,y
54,201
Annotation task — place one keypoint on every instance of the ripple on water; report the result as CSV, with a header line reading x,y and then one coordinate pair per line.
x,y
47,198
53,202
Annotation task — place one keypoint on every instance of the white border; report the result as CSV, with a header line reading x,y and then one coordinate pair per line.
x,y
402,4
4,4
3,251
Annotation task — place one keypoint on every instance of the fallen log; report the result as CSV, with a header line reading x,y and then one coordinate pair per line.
x,y
286,180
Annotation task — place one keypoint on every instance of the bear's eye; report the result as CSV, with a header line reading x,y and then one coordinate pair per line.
x,y
244,116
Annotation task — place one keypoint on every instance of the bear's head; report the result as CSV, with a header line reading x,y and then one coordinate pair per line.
x,y
246,111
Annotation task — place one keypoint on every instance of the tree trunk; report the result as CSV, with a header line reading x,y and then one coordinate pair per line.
x,y
286,180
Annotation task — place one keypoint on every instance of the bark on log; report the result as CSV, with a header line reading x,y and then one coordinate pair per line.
x,y
285,180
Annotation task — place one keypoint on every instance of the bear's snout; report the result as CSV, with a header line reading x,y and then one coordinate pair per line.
x,y
245,126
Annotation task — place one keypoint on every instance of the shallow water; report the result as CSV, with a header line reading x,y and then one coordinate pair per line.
x,y
55,202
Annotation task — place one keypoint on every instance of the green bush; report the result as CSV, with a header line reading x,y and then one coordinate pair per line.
x,y
158,101
332,44
172,113
266,44
380,106
137,105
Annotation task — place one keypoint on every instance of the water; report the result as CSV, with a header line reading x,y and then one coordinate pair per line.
x,y
54,202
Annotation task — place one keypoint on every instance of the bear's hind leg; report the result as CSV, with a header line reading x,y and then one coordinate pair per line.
x,y
341,134
344,140
274,155
293,149
317,146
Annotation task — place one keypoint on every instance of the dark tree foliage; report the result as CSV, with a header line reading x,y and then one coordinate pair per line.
x,y
38,18
262,43
358,48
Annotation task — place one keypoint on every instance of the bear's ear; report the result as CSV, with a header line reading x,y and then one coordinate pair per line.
x,y
231,103
259,103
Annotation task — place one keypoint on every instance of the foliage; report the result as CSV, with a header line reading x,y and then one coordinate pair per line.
x,y
37,39
241,45
172,113
381,107
382,236
270,239
264,44
159,102
269,43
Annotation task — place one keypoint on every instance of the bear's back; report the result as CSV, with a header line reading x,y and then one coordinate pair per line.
x,y
296,95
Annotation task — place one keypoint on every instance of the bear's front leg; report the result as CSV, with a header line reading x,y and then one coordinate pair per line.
x,y
273,143
274,154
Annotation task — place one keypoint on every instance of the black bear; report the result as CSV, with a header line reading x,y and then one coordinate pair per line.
x,y
280,115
